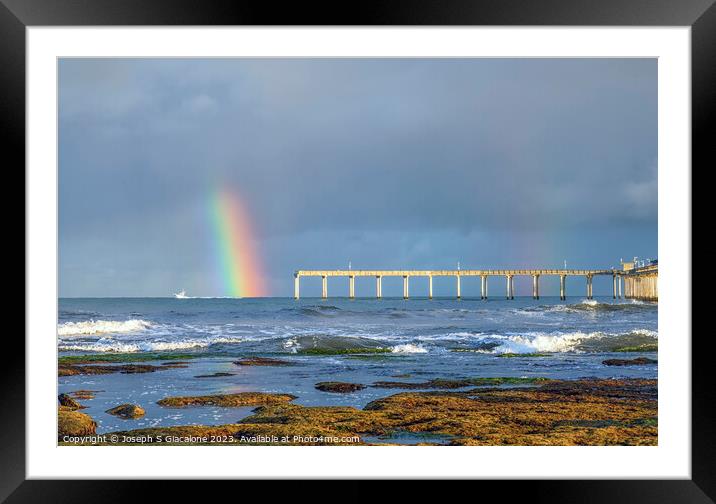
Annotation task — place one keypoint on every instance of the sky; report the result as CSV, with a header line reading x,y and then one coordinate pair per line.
x,y
386,163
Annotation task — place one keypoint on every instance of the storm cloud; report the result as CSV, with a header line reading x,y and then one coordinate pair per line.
x,y
384,162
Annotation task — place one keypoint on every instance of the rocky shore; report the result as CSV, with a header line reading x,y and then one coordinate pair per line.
x,y
472,411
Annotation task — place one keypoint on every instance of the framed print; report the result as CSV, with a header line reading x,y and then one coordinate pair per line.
x,y
419,246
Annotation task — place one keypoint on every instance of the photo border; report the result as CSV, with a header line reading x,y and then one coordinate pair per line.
x,y
16,15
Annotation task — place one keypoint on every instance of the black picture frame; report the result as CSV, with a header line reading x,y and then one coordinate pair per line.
x,y
700,15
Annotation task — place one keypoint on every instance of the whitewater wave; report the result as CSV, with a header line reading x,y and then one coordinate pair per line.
x,y
577,341
89,327
408,348
110,345
489,343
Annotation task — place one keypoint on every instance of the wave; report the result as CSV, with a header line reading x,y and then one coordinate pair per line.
x,y
316,310
78,313
102,327
574,341
592,305
408,348
488,343
109,345
328,343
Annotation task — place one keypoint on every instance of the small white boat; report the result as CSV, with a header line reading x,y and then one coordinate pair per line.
x,y
181,294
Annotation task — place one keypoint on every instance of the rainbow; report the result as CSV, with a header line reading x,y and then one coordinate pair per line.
x,y
238,264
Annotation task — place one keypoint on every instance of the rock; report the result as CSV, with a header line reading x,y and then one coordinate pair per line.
x,y
448,384
340,387
214,375
174,365
84,394
583,412
126,411
261,361
67,401
121,358
432,384
629,362
73,369
646,347
567,413
227,400
74,423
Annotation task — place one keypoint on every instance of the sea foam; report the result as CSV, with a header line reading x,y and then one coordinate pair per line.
x,y
102,327
408,348
109,345
573,341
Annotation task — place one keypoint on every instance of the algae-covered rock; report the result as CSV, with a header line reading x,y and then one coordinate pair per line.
x,y
579,412
84,394
448,384
108,358
68,402
227,400
339,387
74,423
639,361
126,411
74,369
646,347
261,361
214,375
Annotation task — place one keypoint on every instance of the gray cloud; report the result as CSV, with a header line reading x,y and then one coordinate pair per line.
x,y
395,161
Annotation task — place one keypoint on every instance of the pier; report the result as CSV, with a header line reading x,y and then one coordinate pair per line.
x,y
641,282
618,276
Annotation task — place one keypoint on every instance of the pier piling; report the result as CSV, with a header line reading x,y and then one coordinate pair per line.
x,y
535,286
510,287
614,286
642,284
635,283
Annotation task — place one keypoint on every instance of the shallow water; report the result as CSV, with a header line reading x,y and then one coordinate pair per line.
x,y
440,338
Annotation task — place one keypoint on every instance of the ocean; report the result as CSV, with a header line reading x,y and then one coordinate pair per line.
x,y
417,340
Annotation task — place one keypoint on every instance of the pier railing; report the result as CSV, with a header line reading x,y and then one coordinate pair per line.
x,y
508,275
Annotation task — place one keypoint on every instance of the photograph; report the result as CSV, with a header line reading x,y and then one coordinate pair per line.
x,y
357,251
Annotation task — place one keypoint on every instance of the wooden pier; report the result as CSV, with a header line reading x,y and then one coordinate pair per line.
x,y
508,276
